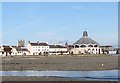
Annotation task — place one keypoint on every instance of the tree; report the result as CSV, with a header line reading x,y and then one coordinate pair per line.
x,y
7,49
118,51
61,52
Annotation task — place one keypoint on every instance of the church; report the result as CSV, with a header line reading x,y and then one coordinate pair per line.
x,y
86,45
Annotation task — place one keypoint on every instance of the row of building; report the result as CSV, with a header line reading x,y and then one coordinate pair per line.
x,y
34,49
85,45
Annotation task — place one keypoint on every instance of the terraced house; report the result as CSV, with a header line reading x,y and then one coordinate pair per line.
x,y
38,48
58,50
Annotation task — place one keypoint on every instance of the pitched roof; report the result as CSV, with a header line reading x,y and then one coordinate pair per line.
x,y
85,39
6,46
21,49
39,44
56,46
106,46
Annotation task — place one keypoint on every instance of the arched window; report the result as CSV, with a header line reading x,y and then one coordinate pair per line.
x,y
95,45
83,46
76,46
90,45
72,46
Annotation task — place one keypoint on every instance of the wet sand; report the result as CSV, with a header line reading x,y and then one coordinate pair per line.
x,y
94,62
34,78
68,62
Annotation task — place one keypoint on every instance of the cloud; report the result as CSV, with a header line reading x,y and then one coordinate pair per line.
x,y
78,8
52,34
19,27
60,29
44,34
95,8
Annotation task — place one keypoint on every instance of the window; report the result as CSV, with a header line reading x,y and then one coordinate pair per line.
x,y
95,46
83,46
72,46
90,45
76,46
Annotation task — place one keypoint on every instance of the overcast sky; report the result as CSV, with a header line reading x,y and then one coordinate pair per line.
x,y
59,22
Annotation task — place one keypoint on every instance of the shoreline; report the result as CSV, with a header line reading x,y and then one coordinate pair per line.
x,y
59,63
47,78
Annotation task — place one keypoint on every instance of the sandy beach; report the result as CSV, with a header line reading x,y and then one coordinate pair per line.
x,y
94,62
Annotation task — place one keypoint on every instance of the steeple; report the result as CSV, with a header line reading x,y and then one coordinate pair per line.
x,y
85,33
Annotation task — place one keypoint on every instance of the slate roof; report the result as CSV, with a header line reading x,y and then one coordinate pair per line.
x,y
56,46
21,49
106,46
85,39
39,44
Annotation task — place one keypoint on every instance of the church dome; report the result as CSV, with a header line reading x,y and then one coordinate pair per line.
x,y
85,39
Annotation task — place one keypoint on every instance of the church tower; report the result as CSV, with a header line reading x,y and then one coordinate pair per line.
x,y
21,43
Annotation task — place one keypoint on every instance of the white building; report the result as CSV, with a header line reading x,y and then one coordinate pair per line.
x,y
86,45
57,50
2,53
38,48
112,52
20,51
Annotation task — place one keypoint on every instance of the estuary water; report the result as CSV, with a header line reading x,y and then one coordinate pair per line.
x,y
111,75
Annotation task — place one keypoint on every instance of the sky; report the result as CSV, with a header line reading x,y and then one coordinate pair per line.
x,y
56,22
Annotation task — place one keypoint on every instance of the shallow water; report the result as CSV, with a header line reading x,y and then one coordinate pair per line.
x,y
82,75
